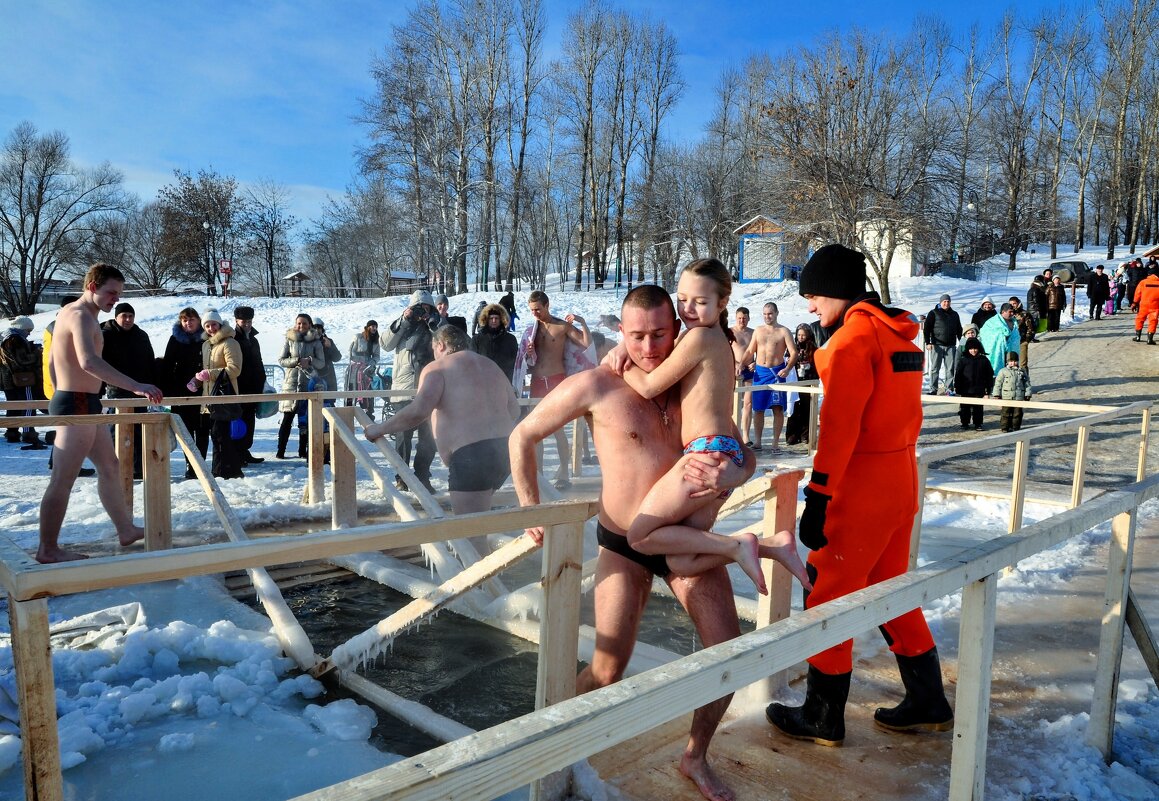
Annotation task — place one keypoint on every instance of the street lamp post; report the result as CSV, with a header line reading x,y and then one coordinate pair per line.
x,y
209,283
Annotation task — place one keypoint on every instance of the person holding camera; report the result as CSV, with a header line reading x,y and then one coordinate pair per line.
x,y
409,336
303,357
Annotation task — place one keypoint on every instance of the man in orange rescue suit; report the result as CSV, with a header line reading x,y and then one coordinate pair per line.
x,y
1146,302
862,496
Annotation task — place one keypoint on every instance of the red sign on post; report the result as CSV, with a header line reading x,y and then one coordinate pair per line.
x,y
225,266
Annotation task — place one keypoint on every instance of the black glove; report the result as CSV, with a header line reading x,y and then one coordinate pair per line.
x,y
811,530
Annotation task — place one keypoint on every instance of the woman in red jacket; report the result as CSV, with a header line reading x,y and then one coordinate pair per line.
x,y
862,495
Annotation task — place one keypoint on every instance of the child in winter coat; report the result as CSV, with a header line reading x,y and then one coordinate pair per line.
x,y
973,379
1012,383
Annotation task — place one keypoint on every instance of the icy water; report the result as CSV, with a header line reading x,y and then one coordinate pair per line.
x,y
465,670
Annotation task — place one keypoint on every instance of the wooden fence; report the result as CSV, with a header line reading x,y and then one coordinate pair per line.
x,y
486,764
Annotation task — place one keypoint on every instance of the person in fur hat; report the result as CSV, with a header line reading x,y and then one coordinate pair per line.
x,y
494,340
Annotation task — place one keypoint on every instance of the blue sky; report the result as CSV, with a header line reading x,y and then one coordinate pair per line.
x,y
270,89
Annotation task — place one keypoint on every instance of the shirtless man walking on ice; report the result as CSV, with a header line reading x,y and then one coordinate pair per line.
x,y
744,370
638,441
77,371
551,335
474,409
769,345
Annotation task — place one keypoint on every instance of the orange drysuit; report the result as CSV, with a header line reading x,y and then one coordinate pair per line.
x,y
1147,299
872,375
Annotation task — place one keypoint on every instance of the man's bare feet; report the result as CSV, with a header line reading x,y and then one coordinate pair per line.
x,y
135,534
48,556
749,558
706,780
782,547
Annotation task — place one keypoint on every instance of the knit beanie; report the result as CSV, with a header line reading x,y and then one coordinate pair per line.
x,y
211,316
834,271
123,308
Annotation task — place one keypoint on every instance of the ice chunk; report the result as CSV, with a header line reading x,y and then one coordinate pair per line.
x,y
343,720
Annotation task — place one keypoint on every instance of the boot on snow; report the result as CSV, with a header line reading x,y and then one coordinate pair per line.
x,y
925,706
822,717
1150,339
1139,335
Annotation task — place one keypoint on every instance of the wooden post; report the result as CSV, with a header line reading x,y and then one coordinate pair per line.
x,y
1018,486
1144,436
558,634
343,473
814,421
1101,730
36,696
780,513
738,409
123,444
972,700
578,433
316,475
915,537
155,469
1080,463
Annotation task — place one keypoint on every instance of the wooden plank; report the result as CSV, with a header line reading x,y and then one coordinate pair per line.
x,y
972,699
36,697
428,503
409,712
1144,439
1018,485
1101,728
915,537
123,445
413,613
1080,466
315,468
1144,638
780,514
157,485
744,495
65,578
344,489
558,636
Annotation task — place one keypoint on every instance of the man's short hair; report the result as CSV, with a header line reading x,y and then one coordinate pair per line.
x,y
774,307
100,272
648,297
1006,307
744,309
539,296
452,338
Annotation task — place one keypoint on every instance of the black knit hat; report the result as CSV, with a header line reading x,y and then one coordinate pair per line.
x,y
243,313
834,271
123,308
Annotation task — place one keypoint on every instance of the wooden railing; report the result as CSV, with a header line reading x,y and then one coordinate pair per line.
x,y
489,763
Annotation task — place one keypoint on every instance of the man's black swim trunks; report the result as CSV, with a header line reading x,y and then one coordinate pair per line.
x,y
618,543
65,402
480,466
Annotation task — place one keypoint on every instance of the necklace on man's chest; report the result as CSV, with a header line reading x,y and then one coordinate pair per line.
x,y
663,409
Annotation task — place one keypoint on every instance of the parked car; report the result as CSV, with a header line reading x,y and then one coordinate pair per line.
x,y
1068,271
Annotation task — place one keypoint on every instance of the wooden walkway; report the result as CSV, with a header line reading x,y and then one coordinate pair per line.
x,y
1044,664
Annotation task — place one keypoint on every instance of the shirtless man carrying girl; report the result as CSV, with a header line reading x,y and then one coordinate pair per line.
x,y
672,521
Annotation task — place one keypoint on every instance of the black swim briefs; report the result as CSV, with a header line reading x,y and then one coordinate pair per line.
x,y
480,466
618,543
65,402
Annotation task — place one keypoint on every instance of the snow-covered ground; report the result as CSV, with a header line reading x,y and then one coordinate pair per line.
x,y
178,688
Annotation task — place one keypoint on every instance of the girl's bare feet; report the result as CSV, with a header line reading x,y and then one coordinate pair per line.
x,y
749,558
782,547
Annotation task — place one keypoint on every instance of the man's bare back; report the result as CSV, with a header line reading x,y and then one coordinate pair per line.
x,y
475,401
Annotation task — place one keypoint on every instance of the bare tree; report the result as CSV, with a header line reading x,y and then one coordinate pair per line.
x,y
202,219
50,210
267,223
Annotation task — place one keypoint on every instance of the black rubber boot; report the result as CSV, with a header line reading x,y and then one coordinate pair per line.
x,y
822,717
925,706
303,445
1139,335
283,440
1150,339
